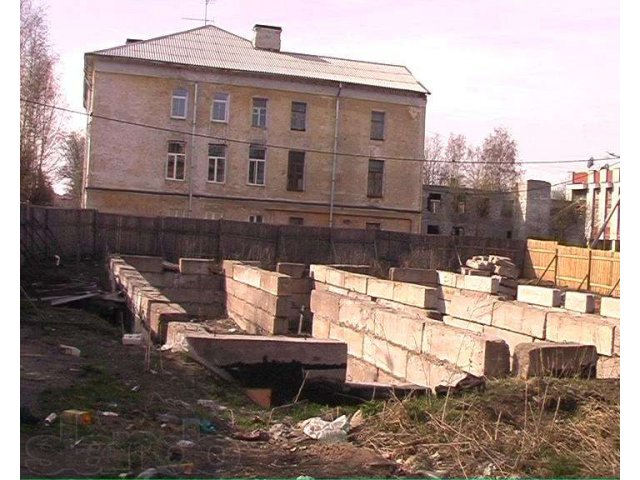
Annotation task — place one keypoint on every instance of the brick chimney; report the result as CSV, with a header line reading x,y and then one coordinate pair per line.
x,y
267,37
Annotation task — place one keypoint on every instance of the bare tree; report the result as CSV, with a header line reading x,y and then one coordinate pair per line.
x,y
496,168
456,154
39,124
432,171
70,171
445,165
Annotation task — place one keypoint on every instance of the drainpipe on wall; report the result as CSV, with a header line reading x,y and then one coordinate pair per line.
x,y
193,147
335,157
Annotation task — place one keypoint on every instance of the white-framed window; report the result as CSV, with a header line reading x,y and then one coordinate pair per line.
x,y
255,218
175,161
179,103
259,113
298,116
377,125
217,163
220,108
257,164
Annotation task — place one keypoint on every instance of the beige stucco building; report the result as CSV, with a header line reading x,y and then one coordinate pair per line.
x,y
206,124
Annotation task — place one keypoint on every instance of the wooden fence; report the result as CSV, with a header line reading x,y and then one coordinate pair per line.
x,y
573,267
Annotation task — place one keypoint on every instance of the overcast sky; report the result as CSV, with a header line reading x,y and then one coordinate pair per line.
x,y
547,70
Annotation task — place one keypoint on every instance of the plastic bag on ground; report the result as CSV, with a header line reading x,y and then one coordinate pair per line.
x,y
319,429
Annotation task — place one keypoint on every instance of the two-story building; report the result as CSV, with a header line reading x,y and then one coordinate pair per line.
x,y
206,124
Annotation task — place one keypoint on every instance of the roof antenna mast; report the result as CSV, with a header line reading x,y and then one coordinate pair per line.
x,y
205,19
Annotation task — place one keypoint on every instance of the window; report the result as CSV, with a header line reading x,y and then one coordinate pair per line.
x,y
255,218
433,230
376,171
508,207
458,231
175,161
508,233
433,202
372,226
217,163
296,221
295,172
483,207
460,204
220,109
257,156
298,116
179,103
259,115
377,125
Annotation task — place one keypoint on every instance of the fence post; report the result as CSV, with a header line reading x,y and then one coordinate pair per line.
x,y
555,269
589,272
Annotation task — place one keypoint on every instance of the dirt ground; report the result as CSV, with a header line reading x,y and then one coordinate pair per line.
x,y
152,419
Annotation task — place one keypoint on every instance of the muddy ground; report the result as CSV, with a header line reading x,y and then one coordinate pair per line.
x,y
152,419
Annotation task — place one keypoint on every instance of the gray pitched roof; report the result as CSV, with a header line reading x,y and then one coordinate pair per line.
x,y
210,46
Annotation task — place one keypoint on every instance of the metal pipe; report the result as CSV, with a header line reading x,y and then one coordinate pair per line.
x,y
193,147
335,157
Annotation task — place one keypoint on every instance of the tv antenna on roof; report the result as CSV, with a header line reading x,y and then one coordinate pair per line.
x,y
205,19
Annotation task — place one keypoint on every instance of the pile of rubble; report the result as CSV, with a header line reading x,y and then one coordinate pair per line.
x,y
496,266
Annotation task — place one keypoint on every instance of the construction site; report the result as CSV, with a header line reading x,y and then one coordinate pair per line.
x,y
177,348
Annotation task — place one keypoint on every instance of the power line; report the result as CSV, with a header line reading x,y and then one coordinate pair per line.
x,y
286,147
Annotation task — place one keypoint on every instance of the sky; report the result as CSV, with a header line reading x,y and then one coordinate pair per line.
x,y
548,71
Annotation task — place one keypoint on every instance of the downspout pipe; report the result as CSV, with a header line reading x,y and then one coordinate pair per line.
x,y
335,157
193,146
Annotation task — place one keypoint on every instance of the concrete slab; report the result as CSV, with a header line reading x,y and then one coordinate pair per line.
x,y
520,317
144,263
415,295
464,324
577,328
610,307
542,359
357,314
318,272
400,330
380,288
356,282
160,314
546,297
385,356
580,302
293,270
325,304
478,284
430,372
320,327
419,276
475,309
608,367
198,266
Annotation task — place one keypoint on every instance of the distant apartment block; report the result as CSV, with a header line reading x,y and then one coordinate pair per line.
x,y
469,212
600,191
206,124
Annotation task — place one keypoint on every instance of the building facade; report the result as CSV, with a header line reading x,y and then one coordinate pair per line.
x,y
522,214
206,124
600,191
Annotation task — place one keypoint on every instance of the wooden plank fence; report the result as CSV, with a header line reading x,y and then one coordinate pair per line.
x,y
573,267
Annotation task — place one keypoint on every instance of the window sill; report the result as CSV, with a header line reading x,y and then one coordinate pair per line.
x,y
174,179
261,127
377,139
215,183
298,129
299,190
177,118
255,184
375,196
219,121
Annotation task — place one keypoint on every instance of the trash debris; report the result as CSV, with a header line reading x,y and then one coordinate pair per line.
x,y
135,388
134,339
77,416
212,405
356,420
69,350
169,418
185,444
304,477
50,419
253,436
149,473
206,426
319,429
109,414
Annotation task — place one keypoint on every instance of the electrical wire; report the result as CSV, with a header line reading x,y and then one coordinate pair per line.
x,y
322,152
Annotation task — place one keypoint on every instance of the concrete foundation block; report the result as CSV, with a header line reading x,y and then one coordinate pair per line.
x,y
293,270
576,328
362,269
379,288
474,353
579,302
160,314
512,339
296,286
475,309
320,327
520,317
335,277
144,263
408,310
610,307
276,283
403,331
419,276
447,279
343,292
357,314
478,284
353,339
247,274
542,359
546,297
386,356
447,293
429,372
415,295
326,304
318,273
464,324
356,282
198,266
608,367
